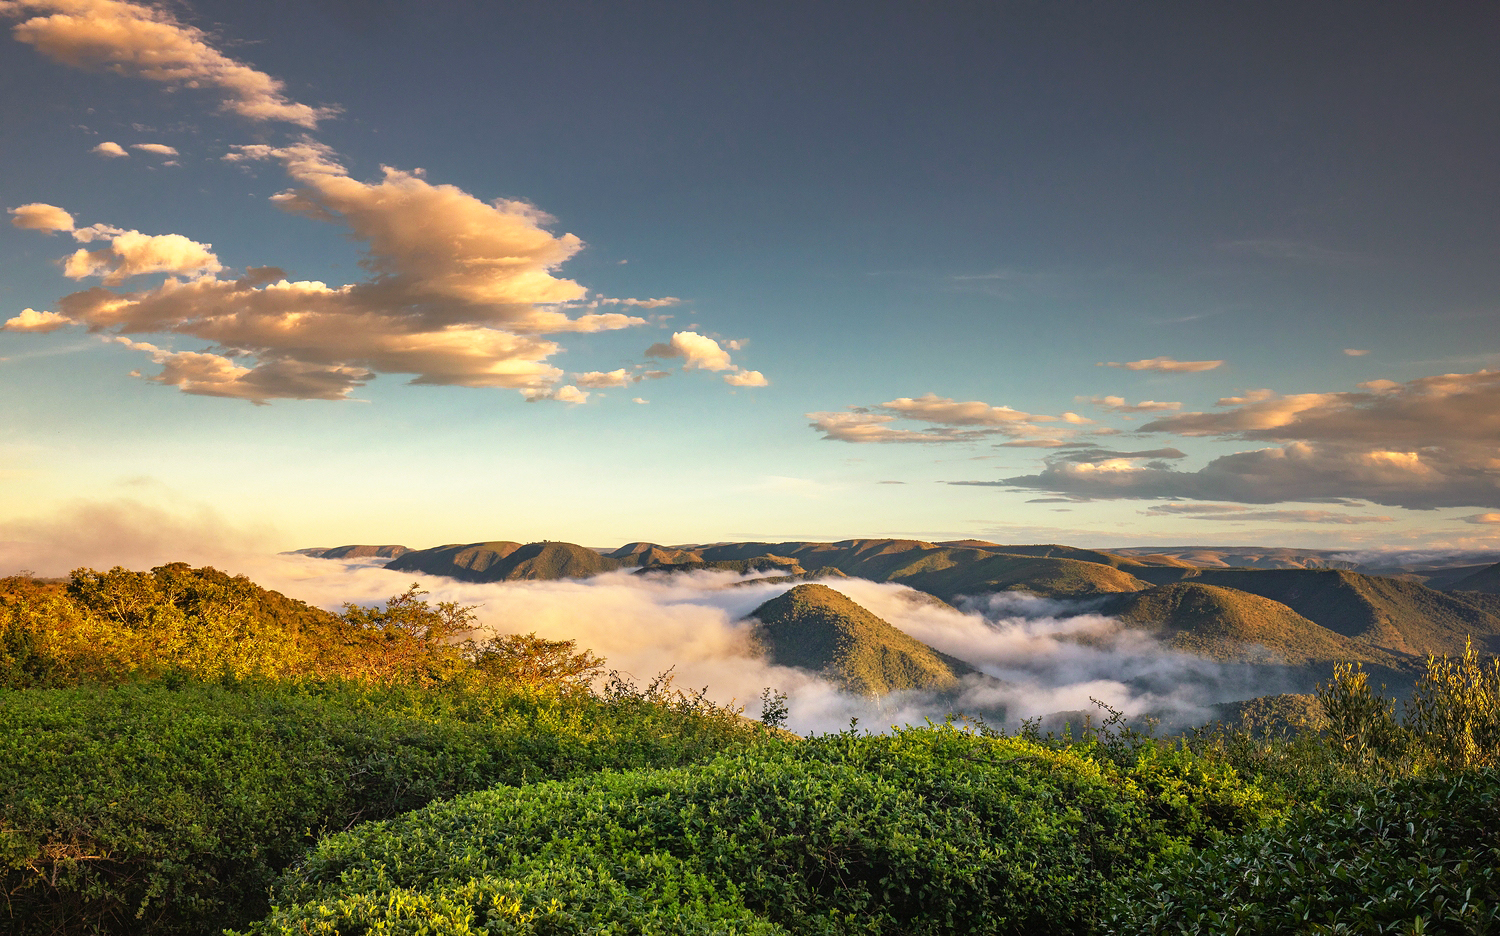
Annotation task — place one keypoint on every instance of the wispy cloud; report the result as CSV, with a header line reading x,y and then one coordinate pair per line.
x,y
149,42
1165,365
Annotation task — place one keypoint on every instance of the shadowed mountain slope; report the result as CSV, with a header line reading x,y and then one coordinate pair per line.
x,y
1230,625
1397,615
1485,580
815,628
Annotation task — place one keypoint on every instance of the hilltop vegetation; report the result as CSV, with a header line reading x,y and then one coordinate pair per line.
x,y
182,751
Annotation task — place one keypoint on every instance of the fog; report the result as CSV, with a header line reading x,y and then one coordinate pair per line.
x,y
1039,656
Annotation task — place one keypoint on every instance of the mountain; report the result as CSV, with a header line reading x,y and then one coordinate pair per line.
x,y
1230,625
355,552
505,561
815,628
743,566
1393,614
1486,579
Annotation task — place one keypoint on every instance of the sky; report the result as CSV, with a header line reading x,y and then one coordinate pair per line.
x,y
328,272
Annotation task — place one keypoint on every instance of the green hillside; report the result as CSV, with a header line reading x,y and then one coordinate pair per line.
x,y
815,628
507,561
742,566
1230,625
1401,616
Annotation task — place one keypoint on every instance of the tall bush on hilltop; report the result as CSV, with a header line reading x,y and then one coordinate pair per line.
x,y
1454,710
1362,722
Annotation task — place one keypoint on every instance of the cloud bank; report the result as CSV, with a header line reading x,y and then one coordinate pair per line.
x,y
1426,443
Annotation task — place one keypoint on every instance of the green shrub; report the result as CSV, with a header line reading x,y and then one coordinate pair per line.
x,y
930,830
1422,856
169,807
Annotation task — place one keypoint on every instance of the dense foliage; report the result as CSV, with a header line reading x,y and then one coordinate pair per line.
x,y
167,807
930,830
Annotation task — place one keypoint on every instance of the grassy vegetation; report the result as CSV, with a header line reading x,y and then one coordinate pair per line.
x,y
930,830
181,751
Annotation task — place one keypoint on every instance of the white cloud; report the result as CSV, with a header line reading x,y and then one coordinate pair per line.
x,y
952,421
563,394
1167,365
160,149
749,378
639,400
112,150
131,253
697,351
41,217
1117,404
30,320
1355,352
600,379
461,292
149,42
1429,442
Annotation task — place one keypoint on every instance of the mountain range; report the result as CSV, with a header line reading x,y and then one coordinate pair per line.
x,y
1292,611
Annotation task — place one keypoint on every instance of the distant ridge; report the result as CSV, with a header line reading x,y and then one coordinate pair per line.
x,y
355,552
1230,625
505,561
1485,580
813,627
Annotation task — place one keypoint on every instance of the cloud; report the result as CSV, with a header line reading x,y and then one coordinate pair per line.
x,y
1355,352
1236,514
1167,365
953,421
643,303
598,379
131,253
563,394
639,400
112,150
30,320
160,149
703,353
1426,443
1118,405
41,217
749,378
148,42
460,293
1484,518
697,351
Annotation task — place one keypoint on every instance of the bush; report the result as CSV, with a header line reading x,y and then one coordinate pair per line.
x,y
169,807
930,830
1420,857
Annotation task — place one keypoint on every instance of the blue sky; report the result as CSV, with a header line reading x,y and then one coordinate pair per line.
x,y
883,254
